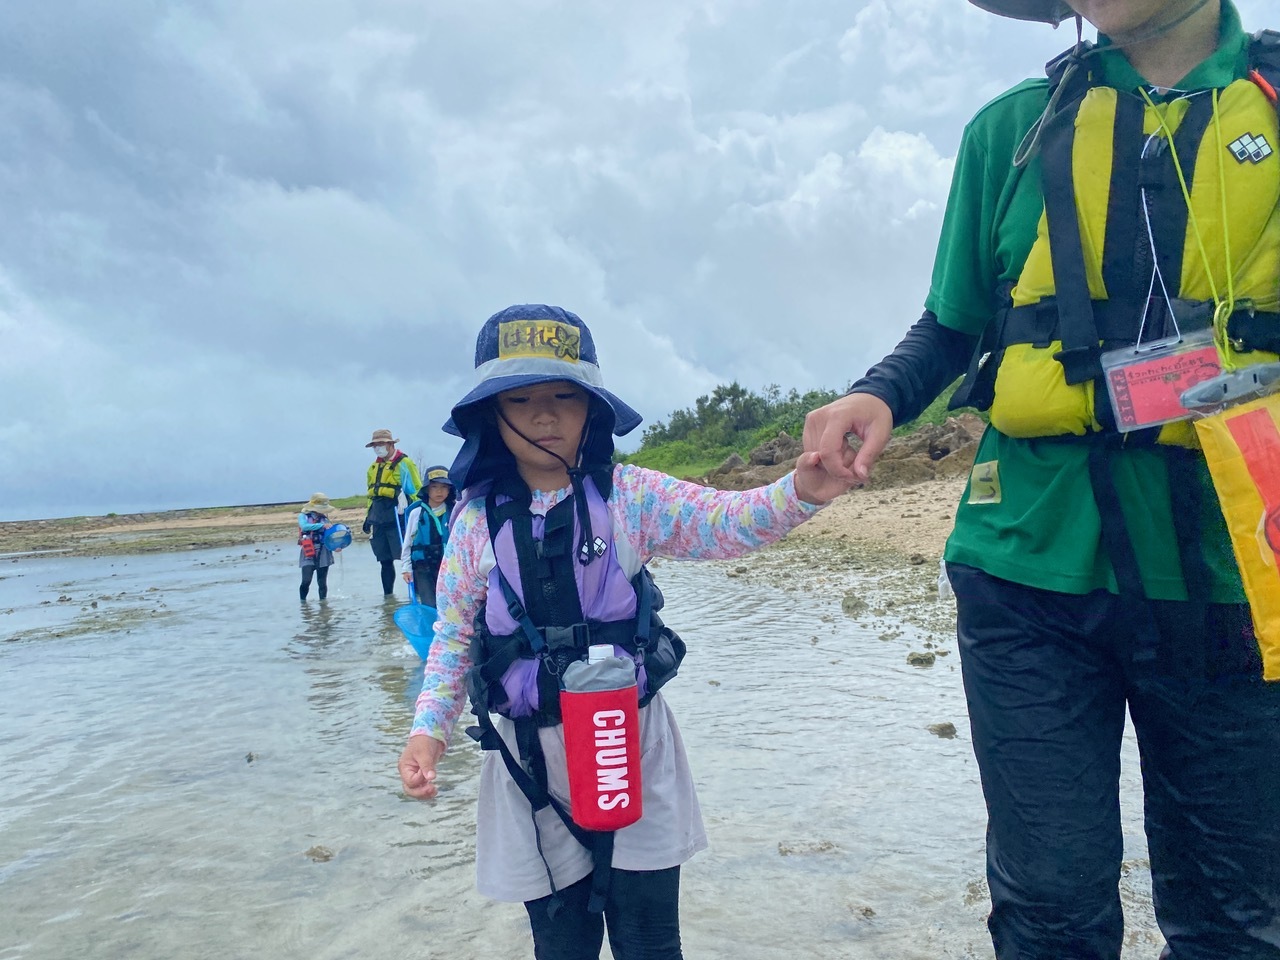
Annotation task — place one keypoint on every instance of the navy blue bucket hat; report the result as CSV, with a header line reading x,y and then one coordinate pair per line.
x,y
436,474
522,346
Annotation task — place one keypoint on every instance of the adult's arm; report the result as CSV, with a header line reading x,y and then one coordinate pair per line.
x,y
926,361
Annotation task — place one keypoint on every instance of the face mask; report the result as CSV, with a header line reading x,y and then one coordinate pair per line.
x,y
382,452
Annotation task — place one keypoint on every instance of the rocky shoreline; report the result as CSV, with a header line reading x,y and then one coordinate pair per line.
x,y
906,509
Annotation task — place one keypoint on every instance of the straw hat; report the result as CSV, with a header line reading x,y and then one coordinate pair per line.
x,y
318,503
382,436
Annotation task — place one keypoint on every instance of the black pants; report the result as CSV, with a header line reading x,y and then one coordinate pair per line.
x,y
322,581
1047,677
642,913
384,538
424,581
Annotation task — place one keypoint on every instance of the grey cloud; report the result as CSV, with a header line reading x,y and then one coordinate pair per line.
x,y
241,234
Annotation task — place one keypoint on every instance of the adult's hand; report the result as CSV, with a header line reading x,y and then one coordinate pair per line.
x,y
862,414
814,483
418,766
408,577
366,527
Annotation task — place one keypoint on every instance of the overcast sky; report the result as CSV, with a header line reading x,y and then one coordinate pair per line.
x,y
240,235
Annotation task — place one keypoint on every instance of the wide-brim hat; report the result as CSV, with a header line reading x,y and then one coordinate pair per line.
x,y
1043,11
436,474
382,436
318,503
522,346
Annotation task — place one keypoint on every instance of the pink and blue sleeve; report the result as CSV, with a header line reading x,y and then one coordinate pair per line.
x,y
674,518
444,691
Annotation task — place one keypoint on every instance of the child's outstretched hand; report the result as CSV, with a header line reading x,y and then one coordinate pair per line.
x,y
815,484
418,766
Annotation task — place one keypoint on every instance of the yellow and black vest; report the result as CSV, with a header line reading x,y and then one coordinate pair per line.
x,y
384,478
1111,173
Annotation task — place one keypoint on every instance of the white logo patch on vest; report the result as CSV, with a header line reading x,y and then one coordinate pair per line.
x,y
597,546
1250,148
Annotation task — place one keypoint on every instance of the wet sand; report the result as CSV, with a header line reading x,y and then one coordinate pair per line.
x,y
166,531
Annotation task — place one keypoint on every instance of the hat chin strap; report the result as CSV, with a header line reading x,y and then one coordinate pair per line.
x,y
583,550
1150,31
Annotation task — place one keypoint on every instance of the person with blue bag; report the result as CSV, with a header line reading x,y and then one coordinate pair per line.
x,y
546,567
392,480
426,531
315,555
1112,232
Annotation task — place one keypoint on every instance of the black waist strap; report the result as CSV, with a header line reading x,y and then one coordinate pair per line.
x,y
1038,323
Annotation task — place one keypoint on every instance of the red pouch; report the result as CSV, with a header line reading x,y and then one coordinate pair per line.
x,y
308,546
602,748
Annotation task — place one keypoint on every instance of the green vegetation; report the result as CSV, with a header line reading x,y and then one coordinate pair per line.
x,y
732,419
346,503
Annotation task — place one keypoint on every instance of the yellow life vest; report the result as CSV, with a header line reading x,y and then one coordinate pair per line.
x,y
1098,156
384,477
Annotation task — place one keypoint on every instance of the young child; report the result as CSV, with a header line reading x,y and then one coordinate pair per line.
x,y
542,502
314,557
426,530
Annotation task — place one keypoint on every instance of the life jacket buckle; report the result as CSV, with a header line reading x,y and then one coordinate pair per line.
x,y
577,636
1080,364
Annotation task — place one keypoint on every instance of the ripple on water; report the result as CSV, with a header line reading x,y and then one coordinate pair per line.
x,y
169,777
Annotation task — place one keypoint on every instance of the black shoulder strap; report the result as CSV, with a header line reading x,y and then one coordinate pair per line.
x,y
603,479
1059,69
1264,51
1264,63
546,565
1079,356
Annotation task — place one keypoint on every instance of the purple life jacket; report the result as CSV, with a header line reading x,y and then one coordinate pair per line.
x,y
518,661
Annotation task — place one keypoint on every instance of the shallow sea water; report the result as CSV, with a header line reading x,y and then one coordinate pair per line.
x,y
200,766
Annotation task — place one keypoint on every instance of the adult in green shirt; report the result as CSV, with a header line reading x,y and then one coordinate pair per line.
x,y
1092,569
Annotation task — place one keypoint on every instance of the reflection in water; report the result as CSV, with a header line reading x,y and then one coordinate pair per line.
x,y
183,779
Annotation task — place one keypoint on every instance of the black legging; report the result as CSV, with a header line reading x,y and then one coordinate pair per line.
x,y
642,913
322,581
384,538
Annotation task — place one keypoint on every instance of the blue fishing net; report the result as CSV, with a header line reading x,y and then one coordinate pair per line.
x,y
417,622
337,536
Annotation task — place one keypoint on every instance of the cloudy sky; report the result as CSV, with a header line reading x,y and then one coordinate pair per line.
x,y
239,235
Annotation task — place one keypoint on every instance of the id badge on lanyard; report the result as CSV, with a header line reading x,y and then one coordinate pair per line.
x,y
1146,382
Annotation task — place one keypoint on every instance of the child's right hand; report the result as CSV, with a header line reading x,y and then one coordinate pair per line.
x,y
418,766
408,577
